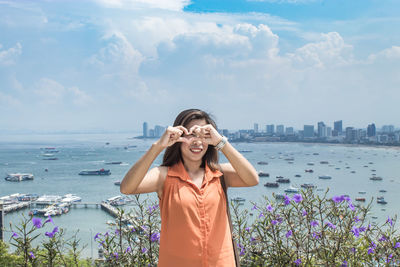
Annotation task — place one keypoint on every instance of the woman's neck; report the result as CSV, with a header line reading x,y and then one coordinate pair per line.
x,y
191,166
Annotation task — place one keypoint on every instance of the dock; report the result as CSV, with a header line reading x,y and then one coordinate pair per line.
x,y
113,211
15,207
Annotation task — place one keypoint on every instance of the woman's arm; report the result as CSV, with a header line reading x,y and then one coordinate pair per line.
x,y
238,172
139,179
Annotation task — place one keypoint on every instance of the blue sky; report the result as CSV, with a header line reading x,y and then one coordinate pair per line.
x,y
112,64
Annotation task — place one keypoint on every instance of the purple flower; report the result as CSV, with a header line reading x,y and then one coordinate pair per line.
x,y
144,250
297,262
356,231
314,223
356,219
315,235
389,221
344,264
116,255
297,198
353,250
351,206
252,239
287,200
37,222
370,251
31,255
15,235
97,236
155,237
270,208
116,231
261,215
128,249
49,219
383,238
389,258
254,207
274,222
52,233
289,233
304,213
397,245
331,225
241,251
338,199
346,198
247,229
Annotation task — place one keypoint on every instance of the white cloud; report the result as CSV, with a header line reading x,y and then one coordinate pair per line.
x,y
143,4
9,56
51,92
330,51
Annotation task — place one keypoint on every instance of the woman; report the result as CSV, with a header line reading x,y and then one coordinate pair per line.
x,y
194,223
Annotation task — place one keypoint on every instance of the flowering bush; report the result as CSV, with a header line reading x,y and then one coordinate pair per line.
x,y
301,230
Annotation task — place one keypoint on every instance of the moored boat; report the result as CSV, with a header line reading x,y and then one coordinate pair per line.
x,y
376,178
271,185
97,172
291,190
283,180
18,177
263,174
325,177
262,163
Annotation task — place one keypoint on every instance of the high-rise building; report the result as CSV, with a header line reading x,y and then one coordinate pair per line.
x,y
145,129
289,131
388,128
256,127
371,130
321,129
308,131
338,126
329,131
158,130
270,129
280,129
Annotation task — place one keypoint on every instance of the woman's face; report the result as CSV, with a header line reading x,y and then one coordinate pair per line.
x,y
194,149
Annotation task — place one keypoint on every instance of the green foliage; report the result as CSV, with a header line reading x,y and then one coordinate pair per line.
x,y
303,230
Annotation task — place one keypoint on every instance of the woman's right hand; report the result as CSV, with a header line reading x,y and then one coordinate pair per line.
x,y
172,135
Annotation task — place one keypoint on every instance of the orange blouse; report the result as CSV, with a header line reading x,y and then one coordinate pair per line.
x,y
194,223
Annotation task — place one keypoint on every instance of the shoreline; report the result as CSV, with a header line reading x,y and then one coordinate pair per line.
x,y
326,144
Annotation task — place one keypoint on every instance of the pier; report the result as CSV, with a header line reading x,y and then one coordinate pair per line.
x,y
113,211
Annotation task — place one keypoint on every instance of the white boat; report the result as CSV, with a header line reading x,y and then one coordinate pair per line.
x,y
70,198
48,199
17,177
291,190
325,177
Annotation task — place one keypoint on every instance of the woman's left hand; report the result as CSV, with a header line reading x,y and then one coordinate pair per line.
x,y
206,133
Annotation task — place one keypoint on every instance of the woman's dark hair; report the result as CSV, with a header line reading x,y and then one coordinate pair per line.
x,y
173,155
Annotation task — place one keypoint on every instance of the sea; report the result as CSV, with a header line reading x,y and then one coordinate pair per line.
x,y
349,166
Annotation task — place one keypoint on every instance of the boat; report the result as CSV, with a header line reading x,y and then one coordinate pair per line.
x,y
376,178
238,199
309,170
362,199
245,151
271,185
324,162
114,163
279,176
325,177
315,154
381,201
117,182
48,199
373,170
353,171
382,191
262,163
291,190
52,158
362,192
98,172
28,197
308,186
289,159
283,180
18,177
297,175
337,168
70,198
310,163
263,174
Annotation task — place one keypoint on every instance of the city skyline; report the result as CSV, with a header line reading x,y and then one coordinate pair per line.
x,y
107,65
